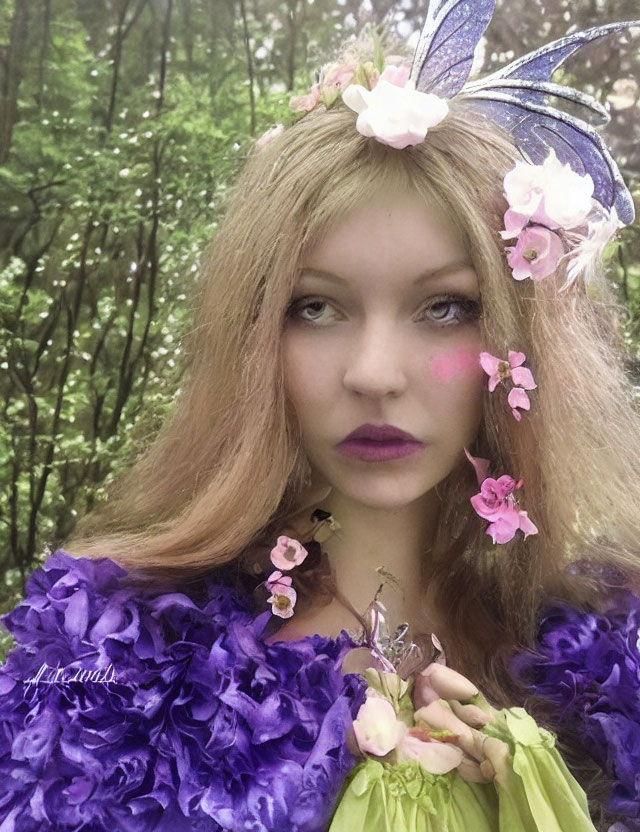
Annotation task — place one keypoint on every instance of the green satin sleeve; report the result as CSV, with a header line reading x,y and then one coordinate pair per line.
x,y
532,790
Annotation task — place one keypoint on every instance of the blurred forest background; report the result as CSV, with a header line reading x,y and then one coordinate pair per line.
x,y
122,125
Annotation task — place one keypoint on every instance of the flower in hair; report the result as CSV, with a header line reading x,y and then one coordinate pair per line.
x,y
283,596
287,553
551,194
500,370
536,254
496,502
398,116
306,103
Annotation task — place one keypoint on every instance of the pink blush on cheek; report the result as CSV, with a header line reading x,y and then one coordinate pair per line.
x,y
446,366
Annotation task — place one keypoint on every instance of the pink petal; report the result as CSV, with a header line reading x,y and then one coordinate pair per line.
x,y
526,525
513,224
501,531
518,398
516,358
516,414
489,363
480,465
523,378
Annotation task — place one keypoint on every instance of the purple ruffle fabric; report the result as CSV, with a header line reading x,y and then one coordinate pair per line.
x,y
204,727
588,666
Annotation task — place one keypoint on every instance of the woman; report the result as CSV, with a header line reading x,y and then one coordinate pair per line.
x,y
212,652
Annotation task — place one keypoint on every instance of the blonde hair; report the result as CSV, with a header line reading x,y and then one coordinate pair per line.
x,y
227,472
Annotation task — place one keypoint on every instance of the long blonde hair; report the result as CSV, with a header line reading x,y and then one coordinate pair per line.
x,y
227,471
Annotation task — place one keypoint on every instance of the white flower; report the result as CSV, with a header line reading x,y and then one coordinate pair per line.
x,y
551,194
376,728
397,116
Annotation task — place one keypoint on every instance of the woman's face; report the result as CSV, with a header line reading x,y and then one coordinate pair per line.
x,y
383,329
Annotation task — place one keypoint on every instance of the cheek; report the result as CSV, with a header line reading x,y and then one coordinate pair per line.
x,y
460,364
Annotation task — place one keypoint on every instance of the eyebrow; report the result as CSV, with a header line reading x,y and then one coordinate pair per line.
x,y
428,274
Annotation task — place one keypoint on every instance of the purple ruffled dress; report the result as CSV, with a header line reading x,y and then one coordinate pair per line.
x,y
134,710
184,720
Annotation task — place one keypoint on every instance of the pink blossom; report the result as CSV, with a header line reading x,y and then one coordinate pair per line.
x,y
283,595
287,553
396,75
518,398
339,74
536,253
496,503
500,370
551,194
306,103
266,137
376,727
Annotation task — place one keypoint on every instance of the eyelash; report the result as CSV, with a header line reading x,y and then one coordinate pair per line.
x,y
470,308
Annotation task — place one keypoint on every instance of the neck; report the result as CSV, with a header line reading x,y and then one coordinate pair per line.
x,y
392,541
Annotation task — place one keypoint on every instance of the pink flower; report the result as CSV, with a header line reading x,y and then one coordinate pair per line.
x,y
496,503
396,116
551,194
283,595
339,74
287,553
306,103
499,370
536,253
376,727
396,75
266,137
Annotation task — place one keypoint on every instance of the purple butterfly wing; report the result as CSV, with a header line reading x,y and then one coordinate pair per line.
x,y
444,54
516,98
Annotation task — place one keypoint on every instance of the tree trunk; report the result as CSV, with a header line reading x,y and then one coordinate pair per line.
x,y
13,76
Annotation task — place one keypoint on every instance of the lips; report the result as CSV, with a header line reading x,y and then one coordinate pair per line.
x,y
380,433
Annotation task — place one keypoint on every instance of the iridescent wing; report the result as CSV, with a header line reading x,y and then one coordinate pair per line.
x,y
516,97
444,54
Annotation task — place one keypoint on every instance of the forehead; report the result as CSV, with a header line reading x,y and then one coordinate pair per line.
x,y
398,235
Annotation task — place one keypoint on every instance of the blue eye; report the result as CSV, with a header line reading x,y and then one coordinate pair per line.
x,y
445,310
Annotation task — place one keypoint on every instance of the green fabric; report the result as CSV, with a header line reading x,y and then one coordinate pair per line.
x,y
533,791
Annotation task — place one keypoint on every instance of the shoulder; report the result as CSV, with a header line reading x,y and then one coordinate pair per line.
x,y
586,664
121,704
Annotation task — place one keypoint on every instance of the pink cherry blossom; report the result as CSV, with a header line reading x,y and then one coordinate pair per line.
x,y
287,553
536,253
306,103
376,727
283,595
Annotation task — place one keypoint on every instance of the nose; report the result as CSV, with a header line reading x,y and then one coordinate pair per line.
x,y
374,364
